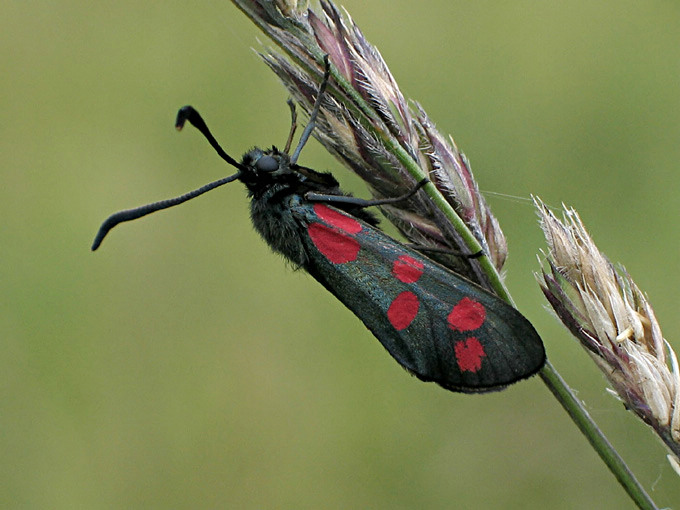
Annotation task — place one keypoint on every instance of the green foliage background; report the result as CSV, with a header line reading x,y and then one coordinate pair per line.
x,y
184,366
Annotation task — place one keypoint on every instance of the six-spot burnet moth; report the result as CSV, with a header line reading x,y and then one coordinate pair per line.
x,y
438,325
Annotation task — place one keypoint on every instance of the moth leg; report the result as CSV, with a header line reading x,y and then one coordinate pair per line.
x,y
293,125
315,111
361,202
448,251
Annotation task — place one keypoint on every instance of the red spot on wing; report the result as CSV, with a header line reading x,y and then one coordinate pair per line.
x,y
403,310
338,220
407,269
467,315
469,354
336,246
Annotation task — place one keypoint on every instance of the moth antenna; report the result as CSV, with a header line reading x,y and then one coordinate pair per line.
x,y
138,212
186,113
189,113
315,111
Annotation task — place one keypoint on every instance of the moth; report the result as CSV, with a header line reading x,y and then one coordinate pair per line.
x,y
435,323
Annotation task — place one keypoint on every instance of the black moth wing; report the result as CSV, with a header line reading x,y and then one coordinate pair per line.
x,y
435,323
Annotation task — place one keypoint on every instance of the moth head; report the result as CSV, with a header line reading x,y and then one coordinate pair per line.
x,y
267,164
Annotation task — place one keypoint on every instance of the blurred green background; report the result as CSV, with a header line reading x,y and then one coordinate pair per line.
x,y
185,366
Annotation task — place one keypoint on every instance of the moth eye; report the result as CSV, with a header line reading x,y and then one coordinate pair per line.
x,y
267,164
